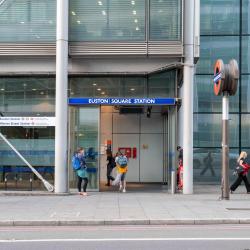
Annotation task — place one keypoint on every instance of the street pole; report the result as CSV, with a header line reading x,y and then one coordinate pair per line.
x,y
225,146
61,170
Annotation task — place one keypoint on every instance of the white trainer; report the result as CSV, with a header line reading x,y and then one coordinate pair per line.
x,y
124,190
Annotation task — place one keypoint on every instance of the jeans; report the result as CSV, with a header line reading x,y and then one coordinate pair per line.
x,y
238,181
85,184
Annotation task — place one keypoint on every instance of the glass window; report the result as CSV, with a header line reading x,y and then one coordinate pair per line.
x,y
215,47
28,21
22,96
207,164
245,68
162,84
165,20
108,87
245,93
220,17
206,101
245,130
107,20
207,130
246,17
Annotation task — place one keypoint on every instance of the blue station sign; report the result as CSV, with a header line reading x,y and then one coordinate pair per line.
x,y
122,101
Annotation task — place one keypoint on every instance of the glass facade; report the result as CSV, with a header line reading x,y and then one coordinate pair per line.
x,y
125,20
225,35
158,85
28,21
27,97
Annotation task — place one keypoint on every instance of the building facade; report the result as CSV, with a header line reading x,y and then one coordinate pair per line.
x,y
118,49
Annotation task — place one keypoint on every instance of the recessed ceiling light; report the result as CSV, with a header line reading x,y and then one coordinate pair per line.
x,y
2,89
134,12
34,89
137,28
104,12
136,20
99,89
73,13
24,84
22,22
132,89
72,93
42,93
133,2
94,84
78,21
99,2
103,93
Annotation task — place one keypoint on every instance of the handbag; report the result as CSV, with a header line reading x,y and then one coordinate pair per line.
x,y
238,170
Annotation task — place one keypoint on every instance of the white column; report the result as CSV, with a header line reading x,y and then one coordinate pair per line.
x,y
61,170
188,96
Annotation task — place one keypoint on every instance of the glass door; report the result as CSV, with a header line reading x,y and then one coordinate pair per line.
x,y
84,132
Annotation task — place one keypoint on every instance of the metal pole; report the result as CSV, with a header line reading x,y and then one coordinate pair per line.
x,y
61,170
188,96
225,147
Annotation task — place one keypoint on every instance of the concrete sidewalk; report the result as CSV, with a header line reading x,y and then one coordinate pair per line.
x,y
131,208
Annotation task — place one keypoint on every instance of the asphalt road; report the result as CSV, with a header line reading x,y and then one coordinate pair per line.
x,y
230,237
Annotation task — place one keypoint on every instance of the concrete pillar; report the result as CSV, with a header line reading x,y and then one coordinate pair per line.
x,y
188,96
61,170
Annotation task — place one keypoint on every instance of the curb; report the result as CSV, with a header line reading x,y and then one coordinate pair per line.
x,y
123,222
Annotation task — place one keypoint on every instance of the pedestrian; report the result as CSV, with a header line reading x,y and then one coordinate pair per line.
x,y
180,150
122,168
208,163
82,172
110,166
180,164
242,175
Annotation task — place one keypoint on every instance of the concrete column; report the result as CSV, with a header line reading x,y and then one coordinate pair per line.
x,y
61,170
188,96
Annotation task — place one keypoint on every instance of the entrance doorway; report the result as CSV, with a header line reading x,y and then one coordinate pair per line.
x,y
143,135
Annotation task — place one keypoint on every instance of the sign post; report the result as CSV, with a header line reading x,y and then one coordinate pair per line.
x,y
225,82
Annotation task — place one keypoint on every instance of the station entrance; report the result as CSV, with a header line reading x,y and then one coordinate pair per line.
x,y
145,133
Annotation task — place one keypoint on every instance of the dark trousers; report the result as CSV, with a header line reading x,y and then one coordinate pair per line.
x,y
109,176
85,184
208,166
238,182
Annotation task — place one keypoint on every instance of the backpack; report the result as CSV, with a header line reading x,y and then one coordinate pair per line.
x,y
122,161
76,164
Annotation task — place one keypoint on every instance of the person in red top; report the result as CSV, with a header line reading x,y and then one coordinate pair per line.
x,y
243,175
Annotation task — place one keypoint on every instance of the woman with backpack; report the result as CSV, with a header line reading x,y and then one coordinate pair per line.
x,y
110,166
81,171
242,171
122,168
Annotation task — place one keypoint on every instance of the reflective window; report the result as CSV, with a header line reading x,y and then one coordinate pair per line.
x,y
162,85
158,85
245,130
207,130
245,16
220,17
216,47
108,87
207,164
245,67
165,20
245,93
204,98
28,21
107,20
23,95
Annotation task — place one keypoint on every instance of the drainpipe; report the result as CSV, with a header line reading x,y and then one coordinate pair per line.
x,y
61,170
188,96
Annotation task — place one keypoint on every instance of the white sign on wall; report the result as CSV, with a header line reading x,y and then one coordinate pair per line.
x,y
27,121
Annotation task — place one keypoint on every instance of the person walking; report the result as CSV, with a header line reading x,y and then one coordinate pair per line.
x,y
242,176
110,166
122,168
82,172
